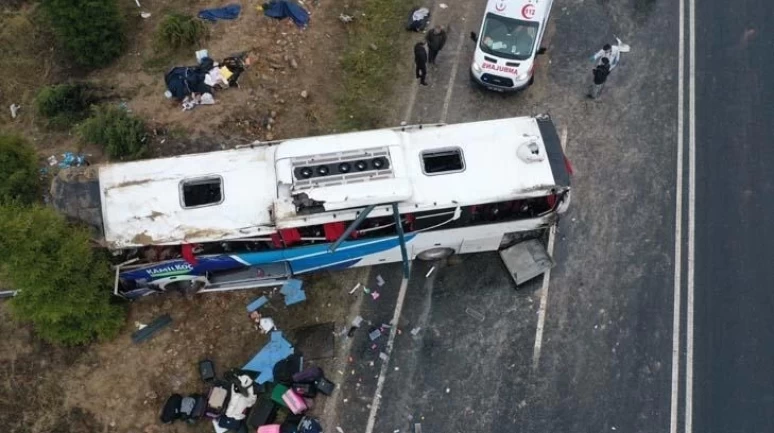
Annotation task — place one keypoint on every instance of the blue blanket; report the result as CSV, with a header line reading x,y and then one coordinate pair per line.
x,y
273,352
230,12
282,9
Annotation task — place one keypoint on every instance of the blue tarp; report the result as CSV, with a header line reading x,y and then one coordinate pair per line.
x,y
282,9
273,352
293,292
230,12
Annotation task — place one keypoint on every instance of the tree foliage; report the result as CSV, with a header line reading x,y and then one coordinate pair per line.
x,y
18,171
90,30
64,284
122,135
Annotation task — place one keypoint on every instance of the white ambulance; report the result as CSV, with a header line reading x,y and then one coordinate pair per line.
x,y
508,42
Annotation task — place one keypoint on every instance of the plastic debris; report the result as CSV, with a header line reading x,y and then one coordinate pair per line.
x,y
366,289
139,325
376,333
417,428
267,325
14,110
357,321
293,291
277,349
383,356
257,303
375,295
415,331
430,272
475,314
354,289
145,15
443,5
379,281
339,429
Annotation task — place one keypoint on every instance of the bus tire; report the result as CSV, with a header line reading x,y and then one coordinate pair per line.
x,y
435,254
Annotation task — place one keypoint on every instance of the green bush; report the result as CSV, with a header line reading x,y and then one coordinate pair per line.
x,y
179,31
90,30
64,285
18,171
118,132
64,104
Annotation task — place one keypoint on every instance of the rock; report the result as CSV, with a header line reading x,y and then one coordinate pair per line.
x,y
304,94
373,47
293,64
273,113
269,137
150,395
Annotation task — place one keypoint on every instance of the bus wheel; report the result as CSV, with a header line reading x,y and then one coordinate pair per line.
x,y
435,254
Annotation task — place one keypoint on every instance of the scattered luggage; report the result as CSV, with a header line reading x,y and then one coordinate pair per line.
x,y
294,402
207,370
324,385
171,410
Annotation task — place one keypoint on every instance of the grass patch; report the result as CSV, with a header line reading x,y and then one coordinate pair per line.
x,y
64,105
368,74
178,31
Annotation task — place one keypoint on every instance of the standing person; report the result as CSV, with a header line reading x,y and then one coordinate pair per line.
x,y
420,59
436,39
611,52
600,76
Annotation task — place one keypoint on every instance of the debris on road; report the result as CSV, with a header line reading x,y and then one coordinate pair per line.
x,y
257,303
430,272
379,280
375,295
475,314
354,289
415,331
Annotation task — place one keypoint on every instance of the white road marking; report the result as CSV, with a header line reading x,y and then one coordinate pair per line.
x,y
388,351
678,227
691,218
410,106
450,86
543,303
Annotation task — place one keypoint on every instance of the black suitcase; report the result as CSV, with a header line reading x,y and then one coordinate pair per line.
x,y
324,385
171,410
305,389
262,413
207,370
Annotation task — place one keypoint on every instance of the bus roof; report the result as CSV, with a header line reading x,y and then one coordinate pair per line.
x,y
263,187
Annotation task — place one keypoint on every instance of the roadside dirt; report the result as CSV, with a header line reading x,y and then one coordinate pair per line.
x,y
120,387
286,60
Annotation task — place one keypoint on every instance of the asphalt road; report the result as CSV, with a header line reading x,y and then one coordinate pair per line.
x,y
734,332
605,363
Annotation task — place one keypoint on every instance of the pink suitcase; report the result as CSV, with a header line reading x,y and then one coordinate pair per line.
x,y
294,402
269,428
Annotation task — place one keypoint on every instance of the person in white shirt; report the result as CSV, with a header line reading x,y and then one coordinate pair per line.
x,y
611,52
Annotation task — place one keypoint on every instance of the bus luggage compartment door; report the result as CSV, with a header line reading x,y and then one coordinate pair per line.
x,y
526,260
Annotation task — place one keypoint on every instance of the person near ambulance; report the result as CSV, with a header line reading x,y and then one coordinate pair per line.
x,y
509,41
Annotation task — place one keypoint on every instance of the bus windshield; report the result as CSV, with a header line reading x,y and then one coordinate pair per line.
x,y
508,38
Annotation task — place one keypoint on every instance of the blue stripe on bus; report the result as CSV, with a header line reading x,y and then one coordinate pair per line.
x,y
311,257
301,259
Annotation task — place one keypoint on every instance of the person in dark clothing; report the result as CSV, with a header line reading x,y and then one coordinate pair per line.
x,y
436,38
600,76
420,59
